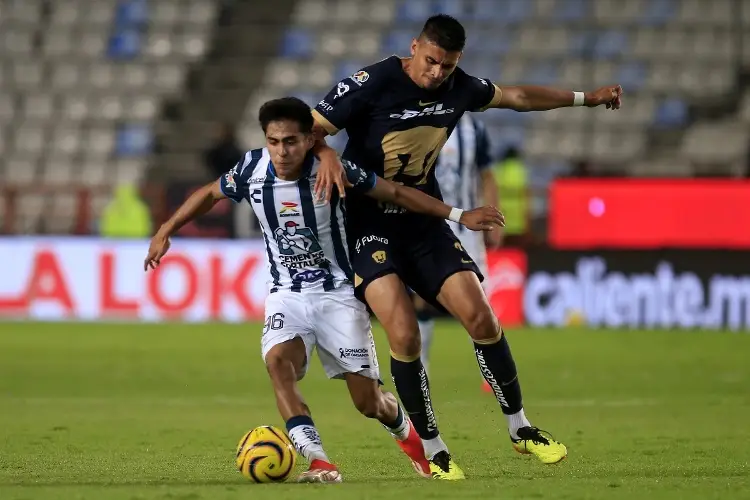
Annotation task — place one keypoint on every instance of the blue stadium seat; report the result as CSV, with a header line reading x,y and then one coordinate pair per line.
x,y
632,75
671,113
658,12
414,11
497,43
544,73
572,10
503,136
124,44
297,43
481,66
398,41
455,8
610,43
309,98
506,117
131,13
581,43
506,12
133,140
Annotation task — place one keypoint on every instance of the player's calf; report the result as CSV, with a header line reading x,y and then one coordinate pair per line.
x,y
463,297
285,365
383,406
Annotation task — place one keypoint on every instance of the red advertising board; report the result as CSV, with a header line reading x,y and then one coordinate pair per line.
x,y
506,274
199,280
649,214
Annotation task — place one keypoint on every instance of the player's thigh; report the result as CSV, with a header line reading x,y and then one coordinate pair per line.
x,y
373,254
286,320
344,336
461,294
288,356
473,243
391,304
437,255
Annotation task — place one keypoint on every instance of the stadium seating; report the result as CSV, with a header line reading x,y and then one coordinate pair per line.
x,y
81,84
669,55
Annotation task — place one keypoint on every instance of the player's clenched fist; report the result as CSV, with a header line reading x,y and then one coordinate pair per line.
x,y
482,218
609,96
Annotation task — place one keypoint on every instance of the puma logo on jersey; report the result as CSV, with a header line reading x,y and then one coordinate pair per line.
x,y
432,110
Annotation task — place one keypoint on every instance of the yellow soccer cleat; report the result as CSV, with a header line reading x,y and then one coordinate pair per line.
x,y
442,466
533,441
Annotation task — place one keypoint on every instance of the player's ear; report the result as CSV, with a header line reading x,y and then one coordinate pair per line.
x,y
309,141
414,43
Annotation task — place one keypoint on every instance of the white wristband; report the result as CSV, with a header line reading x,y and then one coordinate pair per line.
x,y
578,98
455,214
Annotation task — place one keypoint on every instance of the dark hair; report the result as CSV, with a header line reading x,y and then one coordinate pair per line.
x,y
445,31
286,108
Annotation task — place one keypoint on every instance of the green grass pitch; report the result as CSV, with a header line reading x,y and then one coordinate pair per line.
x,y
155,411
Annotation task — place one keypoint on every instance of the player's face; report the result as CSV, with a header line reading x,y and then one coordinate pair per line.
x,y
291,230
286,144
431,65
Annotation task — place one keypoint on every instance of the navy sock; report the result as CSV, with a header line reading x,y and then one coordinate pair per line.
x,y
499,370
410,379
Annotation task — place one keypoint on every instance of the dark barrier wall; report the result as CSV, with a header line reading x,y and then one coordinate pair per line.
x,y
660,289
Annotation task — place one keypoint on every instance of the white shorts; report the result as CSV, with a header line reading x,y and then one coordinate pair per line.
x,y
335,322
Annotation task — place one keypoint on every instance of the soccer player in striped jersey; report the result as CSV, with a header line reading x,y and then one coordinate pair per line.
x,y
463,173
311,302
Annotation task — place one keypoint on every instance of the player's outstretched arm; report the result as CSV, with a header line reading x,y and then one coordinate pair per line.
x,y
478,219
199,203
535,98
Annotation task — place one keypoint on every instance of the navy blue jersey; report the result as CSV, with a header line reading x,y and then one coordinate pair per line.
x,y
396,128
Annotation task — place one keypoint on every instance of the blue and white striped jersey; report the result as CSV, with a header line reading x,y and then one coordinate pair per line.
x,y
305,239
464,156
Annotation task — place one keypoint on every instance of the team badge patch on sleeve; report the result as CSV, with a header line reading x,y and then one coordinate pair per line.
x,y
229,177
360,77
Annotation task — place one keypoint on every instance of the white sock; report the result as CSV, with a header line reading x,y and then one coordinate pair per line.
x,y
401,430
308,443
426,330
433,446
515,422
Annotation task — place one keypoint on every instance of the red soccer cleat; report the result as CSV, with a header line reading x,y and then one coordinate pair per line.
x,y
486,387
413,448
320,472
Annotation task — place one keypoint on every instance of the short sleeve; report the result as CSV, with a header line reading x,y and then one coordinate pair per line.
x,y
348,99
483,155
481,91
234,184
362,181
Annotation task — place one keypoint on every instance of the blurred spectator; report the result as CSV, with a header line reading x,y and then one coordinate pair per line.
x,y
224,153
126,215
512,183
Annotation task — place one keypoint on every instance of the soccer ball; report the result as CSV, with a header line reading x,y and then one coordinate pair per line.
x,y
266,455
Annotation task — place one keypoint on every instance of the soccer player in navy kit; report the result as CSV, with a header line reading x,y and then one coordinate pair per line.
x,y
398,114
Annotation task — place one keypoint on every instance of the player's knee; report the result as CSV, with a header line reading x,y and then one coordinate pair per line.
x,y
407,345
280,368
481,324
